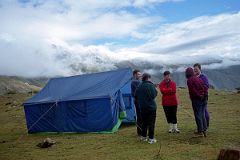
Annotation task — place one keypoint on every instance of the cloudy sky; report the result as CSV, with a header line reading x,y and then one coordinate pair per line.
x,y
56,37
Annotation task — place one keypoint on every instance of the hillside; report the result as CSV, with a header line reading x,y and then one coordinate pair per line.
x,y
14,84
222,79
224,132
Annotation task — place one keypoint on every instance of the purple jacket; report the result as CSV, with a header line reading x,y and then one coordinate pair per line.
x,y
205,80
196,87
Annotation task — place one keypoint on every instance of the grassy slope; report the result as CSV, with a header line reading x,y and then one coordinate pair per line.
x,y
224,107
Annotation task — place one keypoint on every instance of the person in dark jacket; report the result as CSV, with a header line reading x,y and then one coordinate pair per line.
x,y
197,94
199,74
169,101
136,81
146,94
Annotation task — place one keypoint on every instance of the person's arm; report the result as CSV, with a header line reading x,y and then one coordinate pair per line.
x,y
136,94
132,88
173,87
155,91
192,90
164,90
168,90
197,88
205,80
152,91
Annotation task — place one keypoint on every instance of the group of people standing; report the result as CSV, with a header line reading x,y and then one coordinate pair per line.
x,y
145,92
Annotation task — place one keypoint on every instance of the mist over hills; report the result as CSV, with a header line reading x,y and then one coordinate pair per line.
x,y
223,78
220,78
222,73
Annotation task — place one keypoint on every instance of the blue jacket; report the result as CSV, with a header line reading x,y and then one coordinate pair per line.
x,y
135,83
146,94
205,80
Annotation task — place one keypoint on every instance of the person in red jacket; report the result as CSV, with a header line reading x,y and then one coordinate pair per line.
x,y
198,93
169,101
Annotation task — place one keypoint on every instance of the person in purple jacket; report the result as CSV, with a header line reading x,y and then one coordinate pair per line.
x,y
198,72
197,92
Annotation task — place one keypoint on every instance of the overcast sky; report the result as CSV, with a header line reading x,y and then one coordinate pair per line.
x,y
45,37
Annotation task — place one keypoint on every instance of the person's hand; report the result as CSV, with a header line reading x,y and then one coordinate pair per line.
x,y
201,98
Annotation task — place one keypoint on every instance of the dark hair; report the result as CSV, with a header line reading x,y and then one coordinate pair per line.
x,y
189,72
197,65
145,76
136,71
166,73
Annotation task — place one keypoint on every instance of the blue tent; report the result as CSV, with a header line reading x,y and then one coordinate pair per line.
x,y
83,103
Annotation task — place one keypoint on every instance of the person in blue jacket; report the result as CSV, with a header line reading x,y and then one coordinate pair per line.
x,y
146,94
136,81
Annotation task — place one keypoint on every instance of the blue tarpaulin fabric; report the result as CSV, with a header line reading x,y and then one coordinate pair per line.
x,y
84,103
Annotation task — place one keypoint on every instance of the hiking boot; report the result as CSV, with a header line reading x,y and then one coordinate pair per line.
x,y
170,130
151,141
198,134
205,133
144,139
175,129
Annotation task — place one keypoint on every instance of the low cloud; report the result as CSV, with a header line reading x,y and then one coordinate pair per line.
x,y
49,38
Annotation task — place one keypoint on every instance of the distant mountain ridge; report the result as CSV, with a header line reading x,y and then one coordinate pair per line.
x,y
223,78
227,78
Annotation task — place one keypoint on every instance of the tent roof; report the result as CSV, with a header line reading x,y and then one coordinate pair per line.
x,y
87,86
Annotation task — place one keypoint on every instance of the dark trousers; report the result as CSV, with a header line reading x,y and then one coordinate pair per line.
x,y
199,113
138,118
207,113
148,119
171,114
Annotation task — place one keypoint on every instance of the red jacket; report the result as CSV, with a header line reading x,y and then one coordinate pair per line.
x,y
168,90
196,87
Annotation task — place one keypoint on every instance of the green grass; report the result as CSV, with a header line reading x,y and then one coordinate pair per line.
x,y
224,132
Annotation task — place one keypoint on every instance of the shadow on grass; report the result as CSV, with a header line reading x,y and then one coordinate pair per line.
x,y
127,125
195,140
